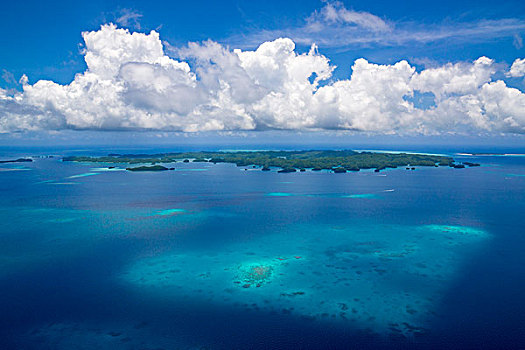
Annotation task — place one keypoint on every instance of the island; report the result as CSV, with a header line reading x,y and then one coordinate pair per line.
x,y
19,160
287,170
148,168
336,161
470,164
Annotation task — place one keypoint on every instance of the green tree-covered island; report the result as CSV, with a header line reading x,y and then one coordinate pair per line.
x,y
339,161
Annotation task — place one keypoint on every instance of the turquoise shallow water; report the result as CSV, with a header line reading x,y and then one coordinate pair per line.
x,y
93,257
388,278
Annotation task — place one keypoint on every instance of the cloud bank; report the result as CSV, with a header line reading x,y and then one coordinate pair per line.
x,y
132,84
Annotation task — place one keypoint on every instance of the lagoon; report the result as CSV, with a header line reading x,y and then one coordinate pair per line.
x,y
227,258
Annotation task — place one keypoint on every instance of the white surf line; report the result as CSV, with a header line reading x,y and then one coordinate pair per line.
x,y
490,154
398,152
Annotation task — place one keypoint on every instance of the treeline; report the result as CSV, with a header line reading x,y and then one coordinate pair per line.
x,y
346,160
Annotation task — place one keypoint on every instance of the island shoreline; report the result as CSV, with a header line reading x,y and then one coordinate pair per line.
x,y
336,161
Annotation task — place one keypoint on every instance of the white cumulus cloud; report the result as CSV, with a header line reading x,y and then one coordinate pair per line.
x,y
131,83
517,69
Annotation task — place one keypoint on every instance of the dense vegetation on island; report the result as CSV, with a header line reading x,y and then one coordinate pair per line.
x,y
19,160
289,161
148,168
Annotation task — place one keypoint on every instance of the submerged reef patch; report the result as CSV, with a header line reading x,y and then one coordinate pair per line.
x,y
81,175
169,212
515,175
61,220
108,169
13,169
190,169
62,183
457,230
254,274
279,194
362,196
388,278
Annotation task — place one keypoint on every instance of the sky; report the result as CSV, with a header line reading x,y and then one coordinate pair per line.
x,y
170,71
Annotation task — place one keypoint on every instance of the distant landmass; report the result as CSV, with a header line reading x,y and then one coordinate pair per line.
x,y
19,160
339,161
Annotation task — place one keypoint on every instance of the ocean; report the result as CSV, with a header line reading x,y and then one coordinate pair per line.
x,y
214,256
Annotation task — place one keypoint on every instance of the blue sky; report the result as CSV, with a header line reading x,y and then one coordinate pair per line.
x,y
44,42
45,35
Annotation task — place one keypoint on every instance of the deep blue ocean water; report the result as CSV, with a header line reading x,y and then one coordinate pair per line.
x,y
219,257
